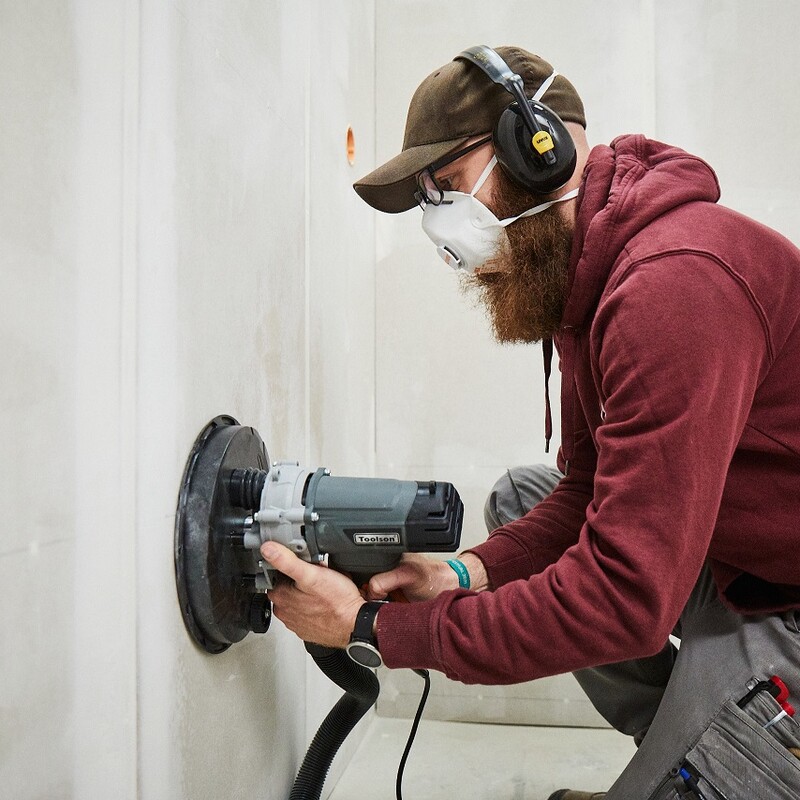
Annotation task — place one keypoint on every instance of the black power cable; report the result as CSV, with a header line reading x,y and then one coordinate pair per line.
x,y
423,673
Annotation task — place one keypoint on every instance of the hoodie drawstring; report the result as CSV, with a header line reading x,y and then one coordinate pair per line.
x,y
567,342
547,353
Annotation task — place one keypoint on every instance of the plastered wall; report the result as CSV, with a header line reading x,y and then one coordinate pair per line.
x,y
178,239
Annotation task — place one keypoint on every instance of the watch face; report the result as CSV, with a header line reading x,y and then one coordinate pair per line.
x,y
365,654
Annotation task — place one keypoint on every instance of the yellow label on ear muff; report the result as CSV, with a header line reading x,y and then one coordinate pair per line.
x,y
542,142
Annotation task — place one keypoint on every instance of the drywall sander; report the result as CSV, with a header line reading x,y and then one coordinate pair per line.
x,y
233,499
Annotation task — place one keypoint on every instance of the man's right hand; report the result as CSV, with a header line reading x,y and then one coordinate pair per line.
x,y
421,577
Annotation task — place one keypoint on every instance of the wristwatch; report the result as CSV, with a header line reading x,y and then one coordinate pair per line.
x,y
363,648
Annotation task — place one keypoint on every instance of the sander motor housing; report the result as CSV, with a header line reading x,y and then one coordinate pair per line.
x,y
362,525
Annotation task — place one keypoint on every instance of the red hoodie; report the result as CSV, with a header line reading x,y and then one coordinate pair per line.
x,y
680,354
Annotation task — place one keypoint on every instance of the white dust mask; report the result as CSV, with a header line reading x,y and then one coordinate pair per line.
x,y
466,233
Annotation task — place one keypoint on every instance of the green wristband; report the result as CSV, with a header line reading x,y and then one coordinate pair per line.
x,y
462,572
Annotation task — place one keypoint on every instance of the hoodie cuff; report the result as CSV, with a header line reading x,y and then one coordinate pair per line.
x,y
405,634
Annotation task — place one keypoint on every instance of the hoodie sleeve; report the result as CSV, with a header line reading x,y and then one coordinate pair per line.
x,y
679,348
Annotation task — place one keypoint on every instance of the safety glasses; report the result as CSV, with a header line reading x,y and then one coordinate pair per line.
x,y
428,188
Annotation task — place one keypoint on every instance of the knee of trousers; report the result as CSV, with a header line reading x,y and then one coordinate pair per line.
x,y
517,491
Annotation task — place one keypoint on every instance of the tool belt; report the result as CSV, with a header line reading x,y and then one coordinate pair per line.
x,y
747,753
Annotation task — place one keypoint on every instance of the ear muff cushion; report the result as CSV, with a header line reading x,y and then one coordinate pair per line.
x,y
517,156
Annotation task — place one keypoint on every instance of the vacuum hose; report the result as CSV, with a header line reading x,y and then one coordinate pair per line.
x,y
361,691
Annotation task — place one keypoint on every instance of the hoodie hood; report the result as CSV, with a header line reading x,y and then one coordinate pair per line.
x,y
626,186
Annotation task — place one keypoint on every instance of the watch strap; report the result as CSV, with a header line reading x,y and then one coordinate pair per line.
x,y
365,620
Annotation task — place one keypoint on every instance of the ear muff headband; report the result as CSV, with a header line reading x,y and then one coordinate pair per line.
x,y
531,141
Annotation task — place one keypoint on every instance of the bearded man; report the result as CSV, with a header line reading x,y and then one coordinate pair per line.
x,y
676,507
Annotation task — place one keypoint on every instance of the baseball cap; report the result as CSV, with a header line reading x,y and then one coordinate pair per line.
x,y
453,104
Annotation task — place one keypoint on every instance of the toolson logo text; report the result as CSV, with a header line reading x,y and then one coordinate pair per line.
x,y
377,538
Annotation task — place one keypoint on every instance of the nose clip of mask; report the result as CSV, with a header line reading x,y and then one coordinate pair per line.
x,y
450,257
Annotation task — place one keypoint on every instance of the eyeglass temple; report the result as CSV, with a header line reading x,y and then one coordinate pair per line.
x,y
450,157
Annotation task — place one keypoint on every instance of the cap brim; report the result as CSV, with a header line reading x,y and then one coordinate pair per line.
x,y
391,187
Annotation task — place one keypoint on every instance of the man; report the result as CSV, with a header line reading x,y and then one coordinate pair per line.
x,y
678,327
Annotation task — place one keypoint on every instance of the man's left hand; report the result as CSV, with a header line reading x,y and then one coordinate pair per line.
x,y
318,604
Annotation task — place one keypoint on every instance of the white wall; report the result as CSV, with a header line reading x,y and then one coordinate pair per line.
x,y
68,663
717,77
178,239
727,89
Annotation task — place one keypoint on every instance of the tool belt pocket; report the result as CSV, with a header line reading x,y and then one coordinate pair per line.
x,y
737,758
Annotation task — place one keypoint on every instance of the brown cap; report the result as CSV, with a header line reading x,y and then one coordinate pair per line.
x,y
453,104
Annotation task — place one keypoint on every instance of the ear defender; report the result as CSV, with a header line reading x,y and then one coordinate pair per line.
x,y
524,156
530,140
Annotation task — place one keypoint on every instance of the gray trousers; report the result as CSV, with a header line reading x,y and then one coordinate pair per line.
x,y
681,704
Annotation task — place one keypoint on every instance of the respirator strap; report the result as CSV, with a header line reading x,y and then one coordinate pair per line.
x,y
483,176
548,82
541,207
531,211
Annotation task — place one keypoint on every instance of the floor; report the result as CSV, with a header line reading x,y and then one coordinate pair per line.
x,y
471,761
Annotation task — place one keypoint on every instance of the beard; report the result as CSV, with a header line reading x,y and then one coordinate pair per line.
x,y
524,286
